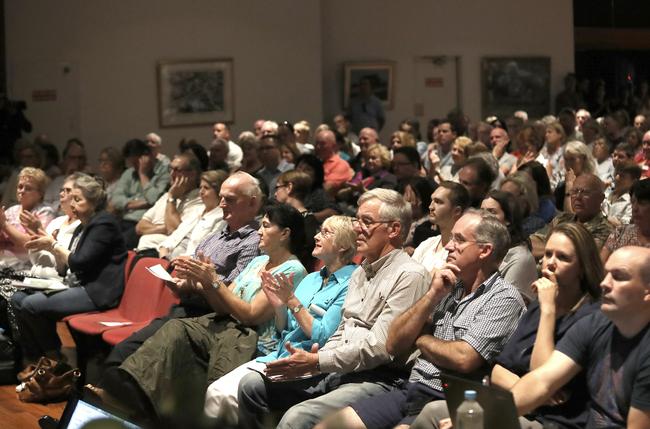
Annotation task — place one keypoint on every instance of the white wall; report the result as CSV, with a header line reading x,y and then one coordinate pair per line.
x,y
399,31
287,55
113,48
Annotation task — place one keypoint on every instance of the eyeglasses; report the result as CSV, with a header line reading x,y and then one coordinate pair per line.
x,y
580,192
458,241
326,233
178,170
281,185
365,223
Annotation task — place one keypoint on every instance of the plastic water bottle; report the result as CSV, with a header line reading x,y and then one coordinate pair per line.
x,y
469,414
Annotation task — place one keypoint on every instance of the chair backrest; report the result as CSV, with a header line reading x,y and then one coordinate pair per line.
x,y
143,291
130,255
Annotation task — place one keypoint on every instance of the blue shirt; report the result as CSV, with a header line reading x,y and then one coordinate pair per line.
x,y
314,296
249,283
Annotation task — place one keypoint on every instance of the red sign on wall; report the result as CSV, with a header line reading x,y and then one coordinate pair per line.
x,y
44,95
433,82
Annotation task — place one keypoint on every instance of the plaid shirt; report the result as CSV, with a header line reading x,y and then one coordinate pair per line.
x,y
484,319
230,252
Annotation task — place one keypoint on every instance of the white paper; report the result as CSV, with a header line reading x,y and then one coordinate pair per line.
x,y
114,324
44,284
158,271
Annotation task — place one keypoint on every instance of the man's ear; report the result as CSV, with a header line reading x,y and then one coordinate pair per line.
x,y
395,229
486,250
289,188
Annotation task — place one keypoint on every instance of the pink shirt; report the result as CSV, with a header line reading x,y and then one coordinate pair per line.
x,y
44,213
337,171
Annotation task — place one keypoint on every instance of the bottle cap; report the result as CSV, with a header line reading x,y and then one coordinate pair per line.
x,y
470,395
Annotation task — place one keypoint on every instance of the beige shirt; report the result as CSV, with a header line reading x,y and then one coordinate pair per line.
x,y
377,294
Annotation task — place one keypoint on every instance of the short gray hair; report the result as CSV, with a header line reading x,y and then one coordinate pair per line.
x,y
491,230
393,207
251,186
92,190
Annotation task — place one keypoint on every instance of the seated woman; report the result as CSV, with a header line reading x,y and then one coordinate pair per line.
x,y
568,291
61,229
304,317
418,193
521,186
518,266
637,233
459,156
96,259
167,375
32,183
187,236
292,188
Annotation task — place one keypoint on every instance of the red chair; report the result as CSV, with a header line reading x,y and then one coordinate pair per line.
x,y
116,335
144,294
127,272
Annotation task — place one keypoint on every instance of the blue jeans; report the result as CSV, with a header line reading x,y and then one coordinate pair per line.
x,y
37,314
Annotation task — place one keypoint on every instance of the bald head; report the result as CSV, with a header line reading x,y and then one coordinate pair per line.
x,y
325,145
367,138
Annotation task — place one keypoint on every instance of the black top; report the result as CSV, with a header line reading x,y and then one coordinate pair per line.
x,y
516,358
99,258
617,368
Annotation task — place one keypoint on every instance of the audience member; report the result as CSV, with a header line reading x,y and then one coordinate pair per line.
x,y
418,194
32,183
477,177
500,142
586,198
250,146
139,187
155,143
111,167
522,187
271,159
229,250
618,204
547,210
26,154
192,230
448,203
316,200
604,164
302,132
552,153
406,165
218,155
637,233
577,160
343,126
74,160
221,130
459,157
518,266
180,203
354,363
337,171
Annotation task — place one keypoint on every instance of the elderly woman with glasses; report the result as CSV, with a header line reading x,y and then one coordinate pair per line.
x,y
30,191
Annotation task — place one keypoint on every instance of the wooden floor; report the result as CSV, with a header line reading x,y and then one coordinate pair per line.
x,y
15,414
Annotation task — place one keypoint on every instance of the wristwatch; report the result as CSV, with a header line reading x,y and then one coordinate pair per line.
x,y
297,308
216,285
171,200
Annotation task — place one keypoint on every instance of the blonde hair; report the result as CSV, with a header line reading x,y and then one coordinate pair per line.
x,y
302,126
463,143
384,154
405,138
214,178
36,176
344,235
580,149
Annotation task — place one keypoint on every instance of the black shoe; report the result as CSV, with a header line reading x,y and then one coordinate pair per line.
x,y
48,422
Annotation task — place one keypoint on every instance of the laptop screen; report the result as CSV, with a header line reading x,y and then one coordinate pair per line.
x,y
84,413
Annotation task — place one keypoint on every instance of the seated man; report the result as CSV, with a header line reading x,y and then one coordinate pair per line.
x,y
229,249
461,323
587,195
139,187
181,202
613,347
354,363
337,170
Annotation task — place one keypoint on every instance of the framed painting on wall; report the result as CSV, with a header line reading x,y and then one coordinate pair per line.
x,y
195,92
379,74
509,84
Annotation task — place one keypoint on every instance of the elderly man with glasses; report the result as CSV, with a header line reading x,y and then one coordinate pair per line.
x,y
354,363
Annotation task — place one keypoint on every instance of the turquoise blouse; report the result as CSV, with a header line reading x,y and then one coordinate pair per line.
x,y
248,283
324,303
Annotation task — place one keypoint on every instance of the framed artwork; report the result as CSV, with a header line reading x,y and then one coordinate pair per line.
x,y
380,75
195,92
509,84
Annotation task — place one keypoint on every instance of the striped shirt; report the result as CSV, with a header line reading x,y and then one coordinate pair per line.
x,y
484,319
